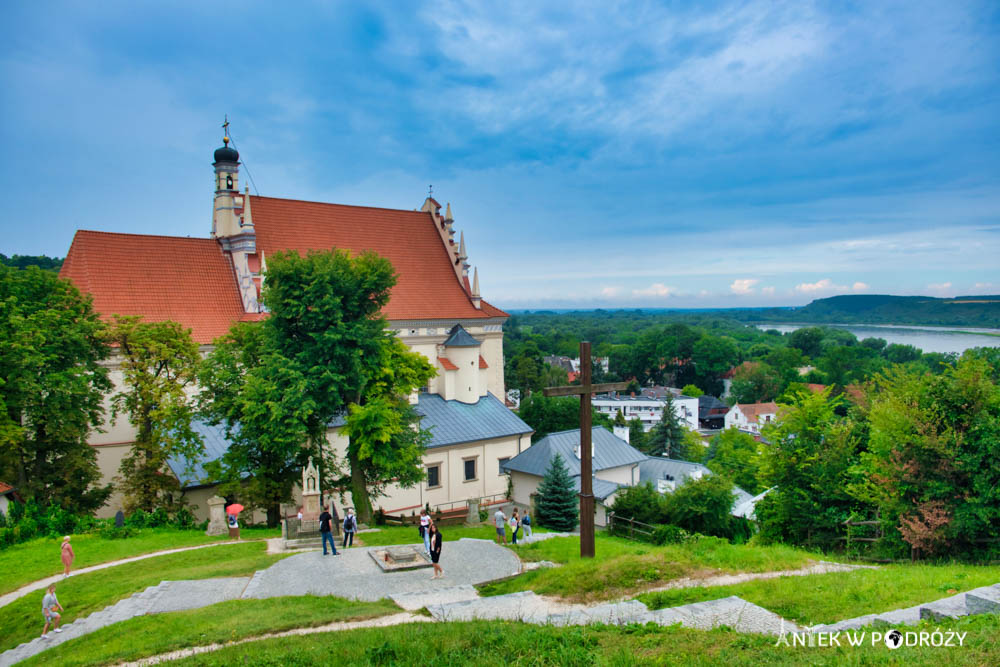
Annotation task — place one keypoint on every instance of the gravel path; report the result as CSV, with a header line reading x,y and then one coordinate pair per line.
x,y
42,584
354,575
822,567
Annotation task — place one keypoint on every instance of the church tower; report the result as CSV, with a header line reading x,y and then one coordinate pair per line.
x,y
232,224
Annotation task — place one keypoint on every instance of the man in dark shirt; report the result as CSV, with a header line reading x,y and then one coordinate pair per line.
x,y
324,530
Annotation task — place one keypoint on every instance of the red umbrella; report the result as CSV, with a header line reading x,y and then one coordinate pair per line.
x,y
235,508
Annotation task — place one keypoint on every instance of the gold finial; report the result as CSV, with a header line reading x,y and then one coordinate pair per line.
x,y
225,131
225,140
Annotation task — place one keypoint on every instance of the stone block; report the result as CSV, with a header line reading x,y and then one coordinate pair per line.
x,y
977,604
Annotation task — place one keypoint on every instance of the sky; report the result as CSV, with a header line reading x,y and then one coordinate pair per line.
x,y
595,154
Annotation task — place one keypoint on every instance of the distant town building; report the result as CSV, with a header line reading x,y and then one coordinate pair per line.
x,y
751,417
648,407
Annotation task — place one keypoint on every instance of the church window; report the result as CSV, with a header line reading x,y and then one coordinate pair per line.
x,y
433,476
470,469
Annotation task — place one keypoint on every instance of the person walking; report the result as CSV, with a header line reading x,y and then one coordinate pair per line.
x,y
526,522
350,527
500,519
67,556
325,519
515,523
425,521
435,540
52,617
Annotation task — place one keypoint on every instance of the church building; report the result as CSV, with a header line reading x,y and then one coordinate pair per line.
x,y
207,284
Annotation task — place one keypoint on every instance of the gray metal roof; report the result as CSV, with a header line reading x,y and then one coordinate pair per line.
x,y
610,451
602,487
452,422
459,337
216,445
656,467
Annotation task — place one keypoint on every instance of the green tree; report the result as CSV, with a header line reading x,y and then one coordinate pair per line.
x,y
807,340
620,419
262,401
703,506
692,391
755,382
51,389
734,455
667,437
159,361
386,442
806,456
557,506
713,356
326,320
637,434
44,262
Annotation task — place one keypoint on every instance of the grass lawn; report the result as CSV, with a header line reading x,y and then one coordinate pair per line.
x,y
492,643
408,534
827,598
23,563
225,622
622,567
84,594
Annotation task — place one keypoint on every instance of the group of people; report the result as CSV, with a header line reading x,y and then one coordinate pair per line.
x,y
432,542
50,603
515,522
350,527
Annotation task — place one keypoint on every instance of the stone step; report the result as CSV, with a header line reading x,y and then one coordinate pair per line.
x,y
438,596
733,612
616,613
524,606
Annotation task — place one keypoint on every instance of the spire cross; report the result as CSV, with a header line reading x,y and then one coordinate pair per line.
x,y
225,126
584,391
430,191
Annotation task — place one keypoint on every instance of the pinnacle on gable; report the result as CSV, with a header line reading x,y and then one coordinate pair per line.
x,y
461,248
475,283
247,220
447,214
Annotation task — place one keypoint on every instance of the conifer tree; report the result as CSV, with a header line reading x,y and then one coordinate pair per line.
x,y
557,506
667,437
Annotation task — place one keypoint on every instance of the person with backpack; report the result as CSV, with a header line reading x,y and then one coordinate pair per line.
x,y
350,527
526,522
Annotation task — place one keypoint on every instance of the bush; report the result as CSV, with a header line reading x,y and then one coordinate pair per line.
x,y
184,519
109,531
669,534
703,506
138,519
641,503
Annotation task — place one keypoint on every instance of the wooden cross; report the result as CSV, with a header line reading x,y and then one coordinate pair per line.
x,y
584,391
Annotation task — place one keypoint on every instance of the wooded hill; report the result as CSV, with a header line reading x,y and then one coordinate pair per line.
x,y
964,311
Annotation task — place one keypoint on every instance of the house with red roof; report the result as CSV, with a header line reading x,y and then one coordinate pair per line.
x,y
208,284
751,417
7,494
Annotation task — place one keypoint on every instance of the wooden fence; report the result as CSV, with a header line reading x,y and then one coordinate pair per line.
x,y
628,527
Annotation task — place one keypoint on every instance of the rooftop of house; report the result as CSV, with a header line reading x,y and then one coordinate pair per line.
x,y
449,423
192,281
610,451
754,410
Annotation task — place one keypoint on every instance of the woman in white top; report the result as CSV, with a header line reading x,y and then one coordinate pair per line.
x,y
515,523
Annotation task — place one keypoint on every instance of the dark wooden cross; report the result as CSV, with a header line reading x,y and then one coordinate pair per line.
x,y
584,391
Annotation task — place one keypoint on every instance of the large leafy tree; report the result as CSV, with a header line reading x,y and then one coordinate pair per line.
x,y
755,382
324,353
386,441
159,361
262,401
734,455
713,356
806,456
51,389
557,506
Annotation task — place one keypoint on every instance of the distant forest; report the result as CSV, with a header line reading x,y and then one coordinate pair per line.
x,y
24,261
961,311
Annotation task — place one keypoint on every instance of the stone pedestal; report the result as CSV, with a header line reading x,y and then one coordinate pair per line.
x,y
310,492
472,518
217,524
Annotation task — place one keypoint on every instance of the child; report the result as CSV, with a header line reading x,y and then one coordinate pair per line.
x,y
49,604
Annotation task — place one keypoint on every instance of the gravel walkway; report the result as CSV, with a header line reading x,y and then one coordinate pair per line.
x,y
42,584
822,567
354,575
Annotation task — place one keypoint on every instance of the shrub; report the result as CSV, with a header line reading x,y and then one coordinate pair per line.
x,y
703,506
642,503
59,521
184,519
669,534
158,518
138,519
109,531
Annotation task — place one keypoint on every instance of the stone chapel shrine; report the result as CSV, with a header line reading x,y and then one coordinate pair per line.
x,y
207,284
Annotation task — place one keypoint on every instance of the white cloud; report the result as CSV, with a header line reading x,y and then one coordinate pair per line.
x,y
861,287
769,291
610,292
656,289
743,285
827,285
940,288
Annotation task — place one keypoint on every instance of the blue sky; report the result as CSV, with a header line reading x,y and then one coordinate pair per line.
x,y
595,154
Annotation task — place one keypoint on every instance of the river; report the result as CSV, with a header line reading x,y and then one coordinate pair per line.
x,y
928,339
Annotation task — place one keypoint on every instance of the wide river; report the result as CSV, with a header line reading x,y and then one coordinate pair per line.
x,y
928,339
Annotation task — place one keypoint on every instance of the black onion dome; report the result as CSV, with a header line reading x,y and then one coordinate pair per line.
x,y
226,154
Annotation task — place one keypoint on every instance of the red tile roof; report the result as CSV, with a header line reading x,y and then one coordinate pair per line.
x,y
753,411
4,488
427,287
192,280
482,362
446,364
187,280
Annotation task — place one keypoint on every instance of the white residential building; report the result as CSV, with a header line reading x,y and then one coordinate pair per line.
x,y
648,410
